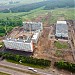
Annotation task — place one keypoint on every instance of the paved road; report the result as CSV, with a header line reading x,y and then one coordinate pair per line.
x,y
11,72
24,68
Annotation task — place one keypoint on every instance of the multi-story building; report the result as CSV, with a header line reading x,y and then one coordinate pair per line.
x,y
19,44
32,26
25,43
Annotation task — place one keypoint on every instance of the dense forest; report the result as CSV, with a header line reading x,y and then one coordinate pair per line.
x,y
7,25
25,8
52,4
48,4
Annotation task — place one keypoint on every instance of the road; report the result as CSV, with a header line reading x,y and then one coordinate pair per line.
x,y
11,72
21,67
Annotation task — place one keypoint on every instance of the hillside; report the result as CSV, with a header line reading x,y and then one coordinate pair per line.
x,y
7,4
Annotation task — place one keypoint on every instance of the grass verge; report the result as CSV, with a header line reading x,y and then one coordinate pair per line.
x,y
25,64
60,45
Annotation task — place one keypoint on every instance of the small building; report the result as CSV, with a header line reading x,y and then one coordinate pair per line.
x,y
19,44
32,26
61,29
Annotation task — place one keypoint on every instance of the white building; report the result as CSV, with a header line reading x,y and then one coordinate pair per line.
x,y
32,26
61,29
36,37
21,45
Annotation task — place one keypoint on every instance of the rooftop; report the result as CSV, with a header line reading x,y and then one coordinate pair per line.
x,y
61,29
61,22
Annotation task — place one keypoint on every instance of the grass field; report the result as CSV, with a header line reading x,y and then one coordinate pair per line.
x,y
67,13
60,45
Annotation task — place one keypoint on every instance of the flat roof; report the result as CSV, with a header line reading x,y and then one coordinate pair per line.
x,y
61,29
61,22
32,22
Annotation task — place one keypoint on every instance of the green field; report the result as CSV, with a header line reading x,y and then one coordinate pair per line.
x,y
60,45
67,13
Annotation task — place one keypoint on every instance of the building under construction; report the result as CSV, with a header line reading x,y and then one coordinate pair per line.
x,y
24,39
61,29
19,44
32,26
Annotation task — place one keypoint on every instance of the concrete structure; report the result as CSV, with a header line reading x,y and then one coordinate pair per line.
x,y
36,36
61,29
32,26
19,44
25,38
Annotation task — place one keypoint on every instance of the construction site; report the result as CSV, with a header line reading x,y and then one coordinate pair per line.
x,y
40,39
48,46
23,38
47,41
42,43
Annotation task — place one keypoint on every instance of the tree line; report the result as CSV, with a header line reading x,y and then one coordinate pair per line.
x,y
25,8
27,60
53,4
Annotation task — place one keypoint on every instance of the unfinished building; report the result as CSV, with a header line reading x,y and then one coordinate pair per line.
x,y
32,26
61,29
19,44
24,39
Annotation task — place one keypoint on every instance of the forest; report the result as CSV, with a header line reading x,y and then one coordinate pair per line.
x,y
48,5
52,4
7,25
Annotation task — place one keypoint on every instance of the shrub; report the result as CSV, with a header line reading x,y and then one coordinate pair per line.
x,y
65,65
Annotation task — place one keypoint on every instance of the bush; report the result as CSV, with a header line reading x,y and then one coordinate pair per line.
x,y
65,65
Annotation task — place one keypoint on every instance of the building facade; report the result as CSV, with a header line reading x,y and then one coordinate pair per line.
x,y
21,45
